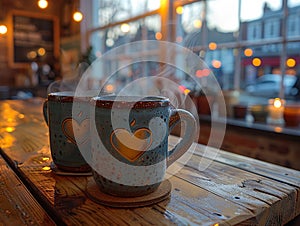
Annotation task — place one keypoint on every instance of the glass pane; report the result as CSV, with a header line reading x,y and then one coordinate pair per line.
x,y
293,3
223,15
117,10
293,66
261,63
222,63
189,24
256,9
145,29
293,20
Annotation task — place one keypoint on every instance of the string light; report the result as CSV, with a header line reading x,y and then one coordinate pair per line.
x,y
3,29
43,4
77,16
179,10
125,27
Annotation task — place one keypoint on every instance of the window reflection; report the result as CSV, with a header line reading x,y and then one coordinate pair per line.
x,y
109,11
148,28
240,40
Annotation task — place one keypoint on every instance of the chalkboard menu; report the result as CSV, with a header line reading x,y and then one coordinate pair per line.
x,y
34,38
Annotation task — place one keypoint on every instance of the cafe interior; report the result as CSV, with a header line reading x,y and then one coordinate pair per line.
x,y
234,65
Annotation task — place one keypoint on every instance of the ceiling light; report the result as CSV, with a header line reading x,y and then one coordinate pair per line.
x,y
77,16
43,4
3,29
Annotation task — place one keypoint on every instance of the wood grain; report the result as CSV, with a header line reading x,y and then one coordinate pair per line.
x,y
232,190
17,205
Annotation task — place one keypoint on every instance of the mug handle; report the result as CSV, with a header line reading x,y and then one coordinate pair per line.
x,y
45,111
180,115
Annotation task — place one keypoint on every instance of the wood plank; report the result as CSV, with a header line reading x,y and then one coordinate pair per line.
x,y
32,166
23,131
17,205
233,190
278,176
68,195
265,198
276,173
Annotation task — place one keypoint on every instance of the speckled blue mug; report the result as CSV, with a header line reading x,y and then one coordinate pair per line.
x,y
130,142
69,129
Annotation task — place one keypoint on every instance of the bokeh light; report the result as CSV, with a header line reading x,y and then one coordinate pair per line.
x,y
197,23
158,35
125,27
248,52
256,62
179,10
3,29
212,46
291,62
43,4
77,16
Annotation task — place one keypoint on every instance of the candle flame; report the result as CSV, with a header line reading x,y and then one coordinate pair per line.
x,y
277,103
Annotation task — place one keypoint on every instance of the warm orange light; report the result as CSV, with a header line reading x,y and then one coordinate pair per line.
x,y
110,88
77,16
277,103
31,55
41,51
46,168
21,116
45,159
158,35
248,52
212,46
43,4
256,62
216,63
290,62
278,129
179,10
3,29
186,91
10,129
197,23
125,27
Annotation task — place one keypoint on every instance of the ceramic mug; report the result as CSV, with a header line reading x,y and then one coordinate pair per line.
x,y
130,142
69,130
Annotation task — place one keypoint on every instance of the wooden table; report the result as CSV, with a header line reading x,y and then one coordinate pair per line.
x,y
233,190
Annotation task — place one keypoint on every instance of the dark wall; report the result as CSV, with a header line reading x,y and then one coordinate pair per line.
x,y
62,9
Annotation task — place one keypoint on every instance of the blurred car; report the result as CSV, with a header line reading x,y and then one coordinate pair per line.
x,y
269,85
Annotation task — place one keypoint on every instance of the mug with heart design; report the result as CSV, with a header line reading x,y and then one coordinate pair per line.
x,y
129,137
69,153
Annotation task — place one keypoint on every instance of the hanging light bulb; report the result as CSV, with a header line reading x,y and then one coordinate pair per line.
x,y
43,4
3,29
77,16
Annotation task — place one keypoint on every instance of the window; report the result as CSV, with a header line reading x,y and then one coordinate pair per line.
x,y
254,31
108,11
239,40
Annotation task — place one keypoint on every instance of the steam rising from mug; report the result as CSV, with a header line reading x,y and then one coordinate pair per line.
x,y
70,81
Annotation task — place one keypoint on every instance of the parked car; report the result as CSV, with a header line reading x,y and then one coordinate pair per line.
x,y
270,84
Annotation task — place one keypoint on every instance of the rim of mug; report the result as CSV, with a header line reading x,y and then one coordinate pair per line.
x,y
123,101
69,96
